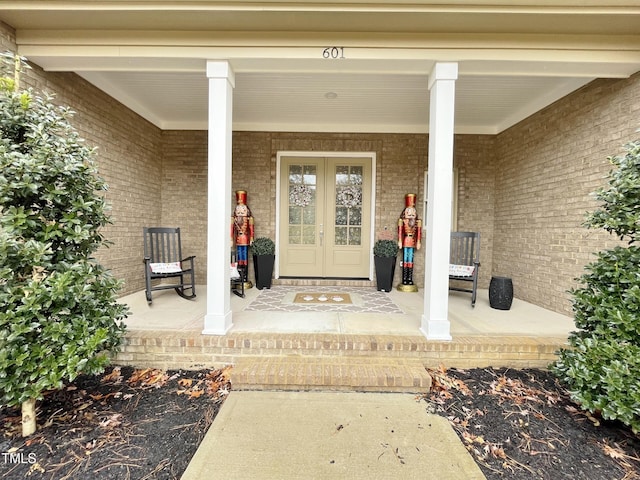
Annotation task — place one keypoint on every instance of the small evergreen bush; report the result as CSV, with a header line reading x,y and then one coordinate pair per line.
x,y
385,248
58,311
263,246
601,368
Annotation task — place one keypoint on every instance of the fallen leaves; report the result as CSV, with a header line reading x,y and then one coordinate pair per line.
x,y
115,376
148,378
516,391
442,384
95,423
111,421
616,452
215,384
512,423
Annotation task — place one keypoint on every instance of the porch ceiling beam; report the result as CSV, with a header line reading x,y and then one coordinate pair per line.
x,y
299,39
583,63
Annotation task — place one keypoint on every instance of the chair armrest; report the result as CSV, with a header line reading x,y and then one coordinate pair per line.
x,y
188,259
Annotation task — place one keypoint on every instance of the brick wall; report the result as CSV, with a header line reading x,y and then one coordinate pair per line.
x,y
184,192
474,159
128,157
401,160
546,167
525,190
184,182
389,202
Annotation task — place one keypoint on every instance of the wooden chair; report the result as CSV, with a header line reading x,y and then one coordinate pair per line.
x,y
464,261
163,260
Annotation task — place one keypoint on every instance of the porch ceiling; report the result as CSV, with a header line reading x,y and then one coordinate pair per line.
x,y
513,59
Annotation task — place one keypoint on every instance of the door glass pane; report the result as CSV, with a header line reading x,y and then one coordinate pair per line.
x,y
342,175
309,174
309,216
295,215
356,174
302,204
355,235
355,216
342,215
295,174
295,235
308,234
348,210
341,236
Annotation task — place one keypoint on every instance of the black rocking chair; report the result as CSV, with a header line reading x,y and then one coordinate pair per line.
x,y
163,260
464,261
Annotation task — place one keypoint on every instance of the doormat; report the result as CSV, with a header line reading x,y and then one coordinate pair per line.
x,y
323,298
282,298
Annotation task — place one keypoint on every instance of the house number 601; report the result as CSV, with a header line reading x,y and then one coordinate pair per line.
x,y
333,52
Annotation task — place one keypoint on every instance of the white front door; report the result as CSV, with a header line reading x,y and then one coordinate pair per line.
x,y
325,217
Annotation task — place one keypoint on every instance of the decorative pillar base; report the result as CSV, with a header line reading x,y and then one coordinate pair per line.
x,y
407,288
217,324
436,329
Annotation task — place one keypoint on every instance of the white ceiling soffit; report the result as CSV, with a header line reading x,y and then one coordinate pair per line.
x,y
381,90
333,102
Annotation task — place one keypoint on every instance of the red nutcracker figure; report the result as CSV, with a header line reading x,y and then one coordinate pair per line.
x,y
409,236
242,232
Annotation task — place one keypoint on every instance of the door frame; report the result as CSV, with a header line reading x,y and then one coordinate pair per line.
x,y
314,154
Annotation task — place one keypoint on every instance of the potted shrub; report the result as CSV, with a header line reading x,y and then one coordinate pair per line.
x,y
385,253
264,257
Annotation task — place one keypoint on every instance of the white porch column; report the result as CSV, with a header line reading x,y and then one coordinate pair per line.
x,y
435,322
217,320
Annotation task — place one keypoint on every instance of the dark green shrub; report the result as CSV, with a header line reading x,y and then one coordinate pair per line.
x,y
263,246
58,311
601,368
385,248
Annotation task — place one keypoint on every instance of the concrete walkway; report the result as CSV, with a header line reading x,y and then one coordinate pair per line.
x,y
329,435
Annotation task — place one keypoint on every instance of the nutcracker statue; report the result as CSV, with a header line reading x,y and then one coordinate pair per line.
x,y
242,234
409,236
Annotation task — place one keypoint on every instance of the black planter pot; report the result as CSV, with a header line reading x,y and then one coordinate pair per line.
x,y
263,268
385,268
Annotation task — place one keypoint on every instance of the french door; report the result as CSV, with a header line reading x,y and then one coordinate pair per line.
x,y
325,217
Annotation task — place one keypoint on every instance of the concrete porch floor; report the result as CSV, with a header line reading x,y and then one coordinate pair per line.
x,y
169,312
310,350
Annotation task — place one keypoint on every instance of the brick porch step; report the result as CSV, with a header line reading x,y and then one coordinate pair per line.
x,y
330,373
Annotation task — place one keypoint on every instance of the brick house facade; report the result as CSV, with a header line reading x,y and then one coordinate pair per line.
x,y
525,189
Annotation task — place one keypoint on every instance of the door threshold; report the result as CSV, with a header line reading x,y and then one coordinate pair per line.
x,y
321,278
309,281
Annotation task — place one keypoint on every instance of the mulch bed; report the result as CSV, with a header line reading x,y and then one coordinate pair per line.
x,y
522,424
125,424
147,424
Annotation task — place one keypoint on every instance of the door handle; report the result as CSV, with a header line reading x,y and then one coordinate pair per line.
x,y
321,234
